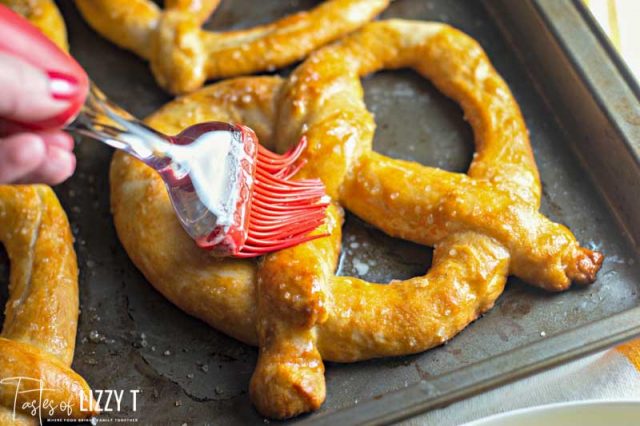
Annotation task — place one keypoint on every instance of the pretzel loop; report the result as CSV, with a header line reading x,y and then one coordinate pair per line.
x,y
423,204
484,225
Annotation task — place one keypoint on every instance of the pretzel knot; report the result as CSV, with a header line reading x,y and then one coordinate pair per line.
x,y
183,56
484,225
41,315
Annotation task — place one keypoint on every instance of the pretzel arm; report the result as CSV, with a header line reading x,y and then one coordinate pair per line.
x,y
287,40
44,15
38,336
127,23
458,66
42,309
40,370
249,101
292,301
424,205
370,320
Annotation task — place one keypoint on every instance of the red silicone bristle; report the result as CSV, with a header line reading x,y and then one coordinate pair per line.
x,y
283,212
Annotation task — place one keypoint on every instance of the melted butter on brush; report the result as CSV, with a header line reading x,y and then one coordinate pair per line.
x,y
212,162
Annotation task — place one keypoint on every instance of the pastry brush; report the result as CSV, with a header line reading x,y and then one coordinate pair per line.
x,y
232,195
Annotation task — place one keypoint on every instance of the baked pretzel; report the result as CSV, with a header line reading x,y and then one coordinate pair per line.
x,y
484,225
41,316
183,56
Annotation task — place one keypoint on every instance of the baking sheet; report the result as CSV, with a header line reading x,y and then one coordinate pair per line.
x,y
130,337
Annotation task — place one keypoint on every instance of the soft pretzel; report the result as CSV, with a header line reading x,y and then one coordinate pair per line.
x,y
484,225
41,316
44,15
183,56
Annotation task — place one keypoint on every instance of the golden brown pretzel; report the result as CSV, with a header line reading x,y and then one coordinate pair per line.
x,y
41,316
484,225
183,56
44,15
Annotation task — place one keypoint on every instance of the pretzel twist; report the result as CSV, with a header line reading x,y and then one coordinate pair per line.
x,y
484,225
41,315
183,56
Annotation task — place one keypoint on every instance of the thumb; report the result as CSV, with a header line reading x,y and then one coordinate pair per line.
x,y
29,94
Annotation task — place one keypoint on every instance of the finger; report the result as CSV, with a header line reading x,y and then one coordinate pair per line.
x,y
58,138
28,94
20,155
58,165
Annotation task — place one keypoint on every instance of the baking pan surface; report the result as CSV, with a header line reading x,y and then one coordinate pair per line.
x,y
130,337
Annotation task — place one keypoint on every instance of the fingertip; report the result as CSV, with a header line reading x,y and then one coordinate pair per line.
x,y
58,138
57,166
20,155
25,150
61,165
27,94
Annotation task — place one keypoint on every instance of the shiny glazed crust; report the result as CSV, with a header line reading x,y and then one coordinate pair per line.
x,y
183,56
484,225
41,315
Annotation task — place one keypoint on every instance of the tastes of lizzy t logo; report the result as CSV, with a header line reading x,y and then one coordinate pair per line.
x,y
32,398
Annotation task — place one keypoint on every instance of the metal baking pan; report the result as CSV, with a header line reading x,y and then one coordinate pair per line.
x,y
581,107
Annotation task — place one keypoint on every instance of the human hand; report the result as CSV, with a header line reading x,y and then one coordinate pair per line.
x,y
30,95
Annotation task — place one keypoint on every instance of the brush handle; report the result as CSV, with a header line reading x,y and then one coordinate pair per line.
x,y
106,122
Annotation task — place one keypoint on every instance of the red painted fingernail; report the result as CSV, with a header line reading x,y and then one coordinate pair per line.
x,y
63,87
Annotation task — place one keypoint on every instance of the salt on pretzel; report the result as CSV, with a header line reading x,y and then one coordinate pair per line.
x,y
484,225
41,316
39,332
183,56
